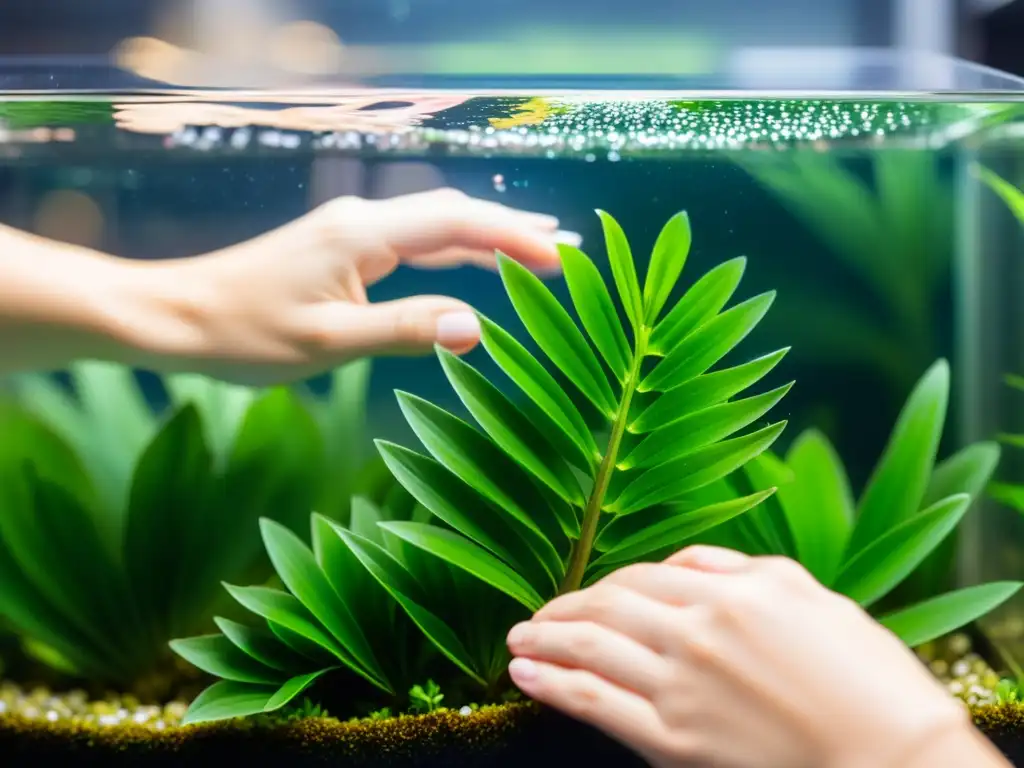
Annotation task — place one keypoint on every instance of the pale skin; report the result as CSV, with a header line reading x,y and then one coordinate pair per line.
x,y
708,659
713,658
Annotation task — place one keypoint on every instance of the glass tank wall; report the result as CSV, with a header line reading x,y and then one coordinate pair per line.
x,y
845,178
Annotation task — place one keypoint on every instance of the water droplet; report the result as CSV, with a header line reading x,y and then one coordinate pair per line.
x,y
498,181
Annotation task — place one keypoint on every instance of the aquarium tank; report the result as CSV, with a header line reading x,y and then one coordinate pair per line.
x,y
807,249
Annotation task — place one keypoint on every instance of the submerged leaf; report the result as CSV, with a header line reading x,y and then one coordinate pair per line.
x,y
703,301
819,505
901,477
938,616
875,570
596,310
473,559
707,345
667,261
555,333
623,269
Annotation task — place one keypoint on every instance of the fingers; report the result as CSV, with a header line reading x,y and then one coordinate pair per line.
x,y
708,558
412,326
673,586
589,698
629,613
590,646
425,225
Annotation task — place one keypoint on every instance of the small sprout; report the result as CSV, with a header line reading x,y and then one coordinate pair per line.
x,y
381,714
426,700
1007,692
511,696
306,709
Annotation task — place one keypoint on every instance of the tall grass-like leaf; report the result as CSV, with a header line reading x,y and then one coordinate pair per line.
x,y
1011,196
938,616
877,568
815,508
819,508
901,478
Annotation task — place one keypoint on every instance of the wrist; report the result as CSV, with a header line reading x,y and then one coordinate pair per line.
x,y
945,742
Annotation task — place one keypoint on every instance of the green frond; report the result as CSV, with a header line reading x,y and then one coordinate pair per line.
x,y
525,491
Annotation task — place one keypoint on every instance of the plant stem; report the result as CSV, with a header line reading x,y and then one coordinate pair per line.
x,y
580,556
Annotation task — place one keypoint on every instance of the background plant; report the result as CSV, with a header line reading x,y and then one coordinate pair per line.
x,y
528,505
1008,493
866,548
890,230
117,525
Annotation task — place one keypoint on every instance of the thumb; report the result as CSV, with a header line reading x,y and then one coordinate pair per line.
x,y
410,326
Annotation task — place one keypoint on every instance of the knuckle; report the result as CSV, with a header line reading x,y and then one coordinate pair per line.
x,y
585,697
785,570
604,601
702,640
449,194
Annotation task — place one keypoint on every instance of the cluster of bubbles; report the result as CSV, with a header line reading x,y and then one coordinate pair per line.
x,y
965,673
602,128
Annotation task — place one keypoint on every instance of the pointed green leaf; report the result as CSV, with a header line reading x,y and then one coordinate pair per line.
x,y
299,571
221,407
967,471
56,545
285,610
512,431
700,303
479,463
226,700
766,470
939,616
819,505
458,505
261,645
464,554
700,428
676,530
1012,197
687,473
308,649
597,312
704,391
1015,381
623,268
898,484
1008,494
667,261
707,345
218,656
370,605
174,473
547,402
293,687
393,576
877,568
556,333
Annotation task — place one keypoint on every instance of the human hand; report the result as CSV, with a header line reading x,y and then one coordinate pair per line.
x,y
293,302
713,658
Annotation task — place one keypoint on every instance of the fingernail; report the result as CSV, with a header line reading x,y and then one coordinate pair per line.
x,y
574,239
515,635
455,329
522,671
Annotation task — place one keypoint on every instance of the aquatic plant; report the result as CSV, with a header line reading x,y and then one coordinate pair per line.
x,y
894,237
117,527
528,505
865,549
1010,494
